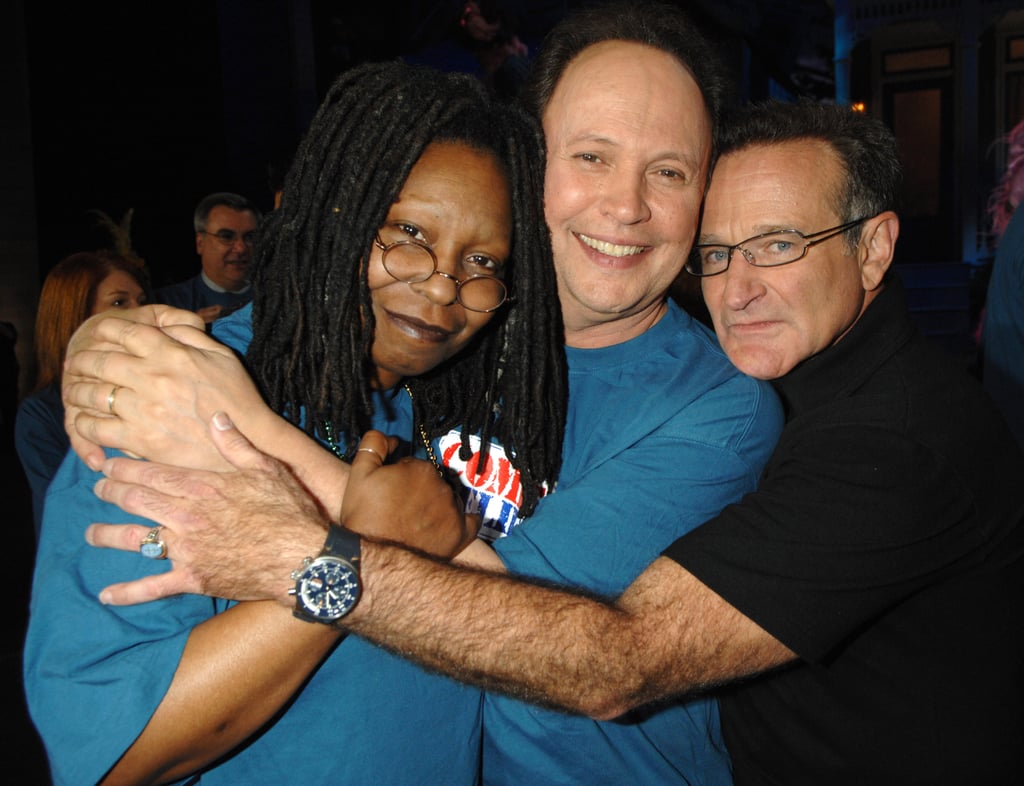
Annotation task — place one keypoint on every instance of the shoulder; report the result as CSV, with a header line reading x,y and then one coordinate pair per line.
x,y
40,414
235,330
675,382
181,295
695,382
688,349
45,402
185,285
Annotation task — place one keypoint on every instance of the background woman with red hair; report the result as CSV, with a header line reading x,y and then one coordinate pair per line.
x,y
77,287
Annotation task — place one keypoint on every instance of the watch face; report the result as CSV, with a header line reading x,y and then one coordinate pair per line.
x,y
328,588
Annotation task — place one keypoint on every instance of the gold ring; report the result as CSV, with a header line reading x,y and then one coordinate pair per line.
x,y
374,452
152,545
110,399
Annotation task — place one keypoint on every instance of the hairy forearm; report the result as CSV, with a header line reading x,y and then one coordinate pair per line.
x,y
237,669
497,639
668,635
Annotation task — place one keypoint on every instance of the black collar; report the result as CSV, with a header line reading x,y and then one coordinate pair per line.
x,y
882,329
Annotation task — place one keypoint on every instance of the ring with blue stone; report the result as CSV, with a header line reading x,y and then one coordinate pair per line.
x,y
152,546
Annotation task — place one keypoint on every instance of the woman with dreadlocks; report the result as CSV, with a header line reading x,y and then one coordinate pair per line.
x,y
410,220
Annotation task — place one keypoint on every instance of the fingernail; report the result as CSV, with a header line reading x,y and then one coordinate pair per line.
x,y
98,488
105,598
94,463
88,535
221,421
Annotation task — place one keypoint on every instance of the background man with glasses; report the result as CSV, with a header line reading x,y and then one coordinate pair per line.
x,y
225,226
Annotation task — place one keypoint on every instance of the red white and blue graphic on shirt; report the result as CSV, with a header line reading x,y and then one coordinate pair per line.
x,y
495,493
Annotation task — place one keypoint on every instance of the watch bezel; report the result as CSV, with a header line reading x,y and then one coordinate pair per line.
x,y
339,586
340,555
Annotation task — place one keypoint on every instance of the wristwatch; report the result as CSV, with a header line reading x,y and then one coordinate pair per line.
x,y
327,587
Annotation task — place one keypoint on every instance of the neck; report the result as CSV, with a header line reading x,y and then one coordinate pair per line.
x,y
596,335
384,380
216,287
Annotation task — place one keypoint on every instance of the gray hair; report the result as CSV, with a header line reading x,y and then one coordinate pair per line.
x,y
225,198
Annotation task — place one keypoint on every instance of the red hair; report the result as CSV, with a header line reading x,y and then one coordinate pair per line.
x,y
67,300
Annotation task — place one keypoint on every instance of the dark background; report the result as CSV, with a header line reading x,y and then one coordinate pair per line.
x,y
151,107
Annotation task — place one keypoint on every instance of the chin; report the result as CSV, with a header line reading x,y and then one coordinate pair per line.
x,y
754,363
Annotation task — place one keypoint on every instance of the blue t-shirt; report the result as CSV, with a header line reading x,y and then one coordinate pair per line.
x,y
662,433
95,674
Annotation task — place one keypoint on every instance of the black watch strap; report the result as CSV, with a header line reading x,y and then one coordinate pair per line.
x,y
342,542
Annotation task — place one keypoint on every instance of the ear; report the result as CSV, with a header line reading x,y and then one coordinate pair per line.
x,y
199,243
877,247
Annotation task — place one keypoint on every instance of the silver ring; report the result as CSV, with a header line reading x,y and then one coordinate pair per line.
x,y
374,452
110,399
152,545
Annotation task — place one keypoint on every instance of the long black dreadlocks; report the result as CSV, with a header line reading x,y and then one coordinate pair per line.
x,y
312,318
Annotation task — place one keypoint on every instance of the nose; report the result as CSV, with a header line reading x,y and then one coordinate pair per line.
x,y
742,283
440,288
625,198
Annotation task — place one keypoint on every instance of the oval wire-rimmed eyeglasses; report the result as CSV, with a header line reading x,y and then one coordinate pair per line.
x,y
769,249
412,262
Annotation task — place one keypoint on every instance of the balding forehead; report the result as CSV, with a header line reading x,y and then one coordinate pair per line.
x,y
629,93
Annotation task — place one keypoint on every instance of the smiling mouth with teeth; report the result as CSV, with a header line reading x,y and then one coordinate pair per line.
x,y
610,249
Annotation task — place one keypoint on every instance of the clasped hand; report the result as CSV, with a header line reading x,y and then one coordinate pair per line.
x,y
167,377
240,533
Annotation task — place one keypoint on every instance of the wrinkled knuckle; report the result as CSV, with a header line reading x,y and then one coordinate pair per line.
x,y
129,537
134,497
91,367
127,328
88,427
190,518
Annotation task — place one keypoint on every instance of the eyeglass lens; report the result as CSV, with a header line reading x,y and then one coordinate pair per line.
x,y
413,263
769,250
779,248
229,237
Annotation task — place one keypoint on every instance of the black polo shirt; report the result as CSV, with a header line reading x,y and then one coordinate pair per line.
x,y
882,547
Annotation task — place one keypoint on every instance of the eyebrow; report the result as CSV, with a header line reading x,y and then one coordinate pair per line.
x,y
763,229
665,155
